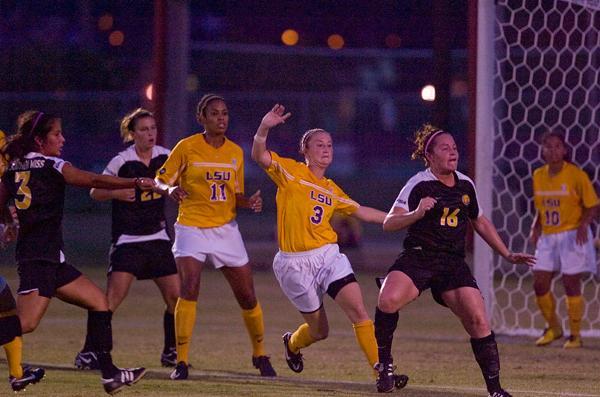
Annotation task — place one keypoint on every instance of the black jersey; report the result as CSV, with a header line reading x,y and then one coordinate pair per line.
x,y
145,216
443,228
37,186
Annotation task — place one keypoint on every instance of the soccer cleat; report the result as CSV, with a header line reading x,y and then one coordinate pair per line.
x,y
294,360
400,381
549,336
386,382
500,393
180,372
125,377
263,364
573,342
86,360
168,357
30,376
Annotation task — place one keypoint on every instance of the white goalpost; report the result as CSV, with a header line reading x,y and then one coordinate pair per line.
x,y
538,68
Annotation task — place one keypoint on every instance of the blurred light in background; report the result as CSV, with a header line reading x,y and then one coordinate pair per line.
x,y
191,83
116,38
392,40
149,91
105,22
335,42
289,37
428,93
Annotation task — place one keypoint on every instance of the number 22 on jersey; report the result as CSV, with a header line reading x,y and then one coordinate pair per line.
x,y
22,179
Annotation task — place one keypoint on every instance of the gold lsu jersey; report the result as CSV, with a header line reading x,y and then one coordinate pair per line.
x,y
211,177
560,199
305,205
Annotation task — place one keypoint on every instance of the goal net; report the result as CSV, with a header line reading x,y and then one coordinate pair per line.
x,y
538,69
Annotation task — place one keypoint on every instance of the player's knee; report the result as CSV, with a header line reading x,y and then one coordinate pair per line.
x,y
478,323
389,303
29,324
190,290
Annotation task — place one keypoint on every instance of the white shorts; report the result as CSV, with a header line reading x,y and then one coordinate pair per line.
x,y
221,246
305,276
559,252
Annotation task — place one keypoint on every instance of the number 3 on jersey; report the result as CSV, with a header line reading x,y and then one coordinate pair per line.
x,y
317,215
450,219
22,179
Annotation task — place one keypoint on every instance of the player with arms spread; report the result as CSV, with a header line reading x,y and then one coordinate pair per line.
x,y
36,179
436,206
309,263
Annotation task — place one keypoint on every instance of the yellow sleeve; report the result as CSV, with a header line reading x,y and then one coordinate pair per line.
x,y
171,170
588,194
281,169
346,205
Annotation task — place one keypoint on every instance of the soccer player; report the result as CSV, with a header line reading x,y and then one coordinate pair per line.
x,y
436,206
35,179
10,339
205,174
565,203
141,246
309,263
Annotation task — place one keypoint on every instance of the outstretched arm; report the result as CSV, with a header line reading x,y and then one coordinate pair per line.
x,y
488,232
273,118
76,177
368,214
115,194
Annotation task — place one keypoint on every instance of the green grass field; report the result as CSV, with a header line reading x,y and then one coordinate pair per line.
x,y
430,345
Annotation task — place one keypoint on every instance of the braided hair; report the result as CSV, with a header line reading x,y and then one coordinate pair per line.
x,y
204,101
424,138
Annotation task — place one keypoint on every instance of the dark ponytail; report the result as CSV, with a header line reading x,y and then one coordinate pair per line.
x,y
30,125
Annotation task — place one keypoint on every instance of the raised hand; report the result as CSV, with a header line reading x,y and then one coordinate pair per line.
x,y
275,117
255,202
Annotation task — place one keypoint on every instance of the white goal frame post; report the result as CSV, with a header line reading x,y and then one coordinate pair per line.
x,y
514,106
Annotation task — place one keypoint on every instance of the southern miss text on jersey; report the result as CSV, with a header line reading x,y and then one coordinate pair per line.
x,y
38,187
559,198
210,176
145,215
305,205
444,227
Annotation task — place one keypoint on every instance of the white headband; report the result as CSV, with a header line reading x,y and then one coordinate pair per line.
x,y
431,139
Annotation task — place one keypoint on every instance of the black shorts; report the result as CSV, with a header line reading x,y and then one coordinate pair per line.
x,y
7,300
440,272
145,260
44,276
